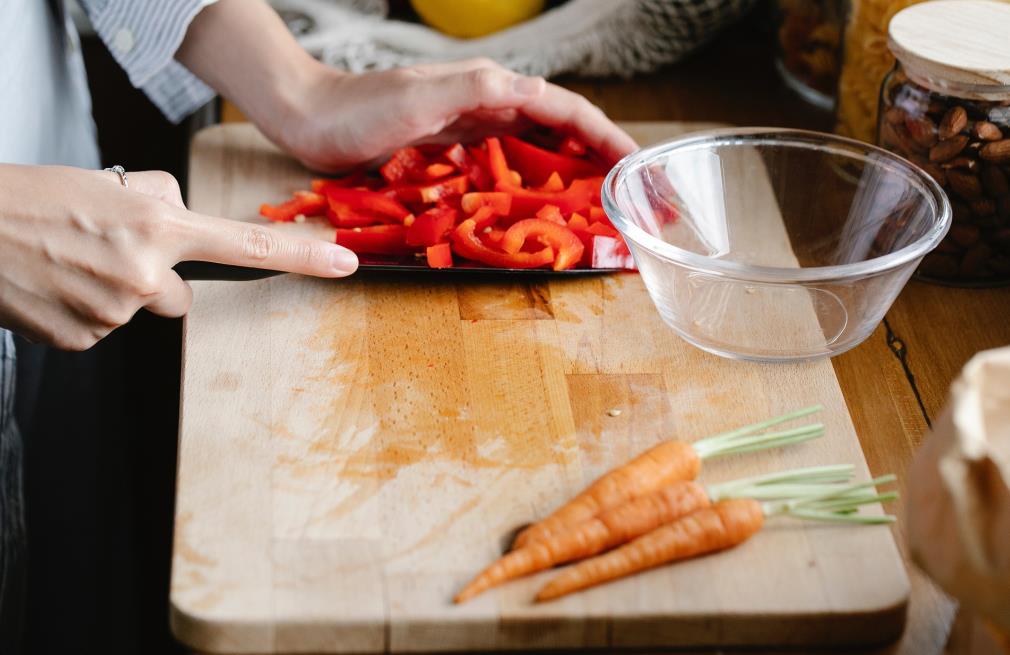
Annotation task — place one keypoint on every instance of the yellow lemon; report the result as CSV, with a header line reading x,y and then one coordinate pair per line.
x,y
472,18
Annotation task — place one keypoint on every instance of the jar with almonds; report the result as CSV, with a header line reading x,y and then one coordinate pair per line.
x,y
946,107
810,46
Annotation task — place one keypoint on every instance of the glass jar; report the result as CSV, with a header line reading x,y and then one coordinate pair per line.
x,y
955,124
866,61
810,46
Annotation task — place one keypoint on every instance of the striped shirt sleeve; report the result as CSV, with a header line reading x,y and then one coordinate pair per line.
x,y
143,36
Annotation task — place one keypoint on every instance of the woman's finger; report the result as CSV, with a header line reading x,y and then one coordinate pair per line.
x,y
224,241
494,88
175,298
569,112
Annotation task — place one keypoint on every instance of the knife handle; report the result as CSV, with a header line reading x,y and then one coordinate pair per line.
x,y
212,271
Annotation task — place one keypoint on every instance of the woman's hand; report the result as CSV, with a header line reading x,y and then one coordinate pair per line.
x,y
331,120
80,254
346,119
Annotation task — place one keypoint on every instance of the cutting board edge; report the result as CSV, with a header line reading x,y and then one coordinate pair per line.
x,y
865,628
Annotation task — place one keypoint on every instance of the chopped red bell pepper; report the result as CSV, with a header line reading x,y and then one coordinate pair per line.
x,y
553,183
404,164
571,147
551,213
590,185
536,164
605,252
578,221
428,193
466,244
304,203
477,172
375,240
603,230
438,170
368,201
499,201
597,215
526,203
341,215
565,243
355,179
430,228
439,255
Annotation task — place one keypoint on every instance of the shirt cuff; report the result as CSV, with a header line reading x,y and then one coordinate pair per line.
x,y
143,36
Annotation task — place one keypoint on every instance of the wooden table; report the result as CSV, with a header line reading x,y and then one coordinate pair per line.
x,y
896,383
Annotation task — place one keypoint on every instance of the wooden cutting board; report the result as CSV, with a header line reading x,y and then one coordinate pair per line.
x,y
353,451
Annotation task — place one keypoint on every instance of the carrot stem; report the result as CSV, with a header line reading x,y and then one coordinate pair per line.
x,y
763,425
749,443
782,484
836,503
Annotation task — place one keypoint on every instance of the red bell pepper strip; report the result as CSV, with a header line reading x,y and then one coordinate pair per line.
x,y
535,165
571,147
477,172
526,203
405,164
368,201
343,216
428,193
565,243
304,203
439,255
497,163
492,236
466,244
499,201
484,217
375,240
551,213
430,228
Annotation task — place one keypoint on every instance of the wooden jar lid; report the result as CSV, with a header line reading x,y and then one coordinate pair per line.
x,y
964,42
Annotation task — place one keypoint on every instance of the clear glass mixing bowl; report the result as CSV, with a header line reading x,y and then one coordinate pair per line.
x,y
770,244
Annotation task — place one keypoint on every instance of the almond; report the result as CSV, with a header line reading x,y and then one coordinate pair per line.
x,y
955,120
948,148
922,130
987,131
964,163
997,151
894,116
983,206
964,184
994,181
975,262
964,235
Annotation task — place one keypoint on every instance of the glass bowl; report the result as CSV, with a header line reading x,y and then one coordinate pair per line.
x,y
770,244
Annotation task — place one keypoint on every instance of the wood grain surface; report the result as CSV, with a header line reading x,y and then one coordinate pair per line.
x,y
352,451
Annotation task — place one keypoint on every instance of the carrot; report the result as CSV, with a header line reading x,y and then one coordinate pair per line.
x,y
600,533
661,465
625,522
723,525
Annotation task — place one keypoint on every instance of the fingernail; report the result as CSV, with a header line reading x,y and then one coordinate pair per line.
x,y
528,86
344,261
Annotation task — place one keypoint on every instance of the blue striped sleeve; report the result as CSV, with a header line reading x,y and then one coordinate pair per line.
x,y
143,36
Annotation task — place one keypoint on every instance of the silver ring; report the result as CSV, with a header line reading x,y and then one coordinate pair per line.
x,y
121,172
